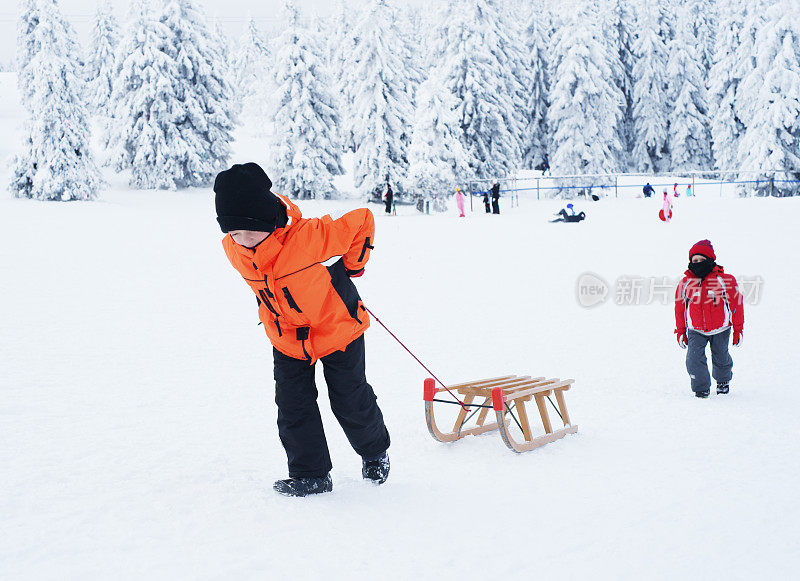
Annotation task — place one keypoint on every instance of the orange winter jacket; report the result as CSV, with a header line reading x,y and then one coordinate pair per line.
x,y
308,310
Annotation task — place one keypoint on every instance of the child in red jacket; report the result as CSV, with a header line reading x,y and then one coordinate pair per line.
x,y
708,305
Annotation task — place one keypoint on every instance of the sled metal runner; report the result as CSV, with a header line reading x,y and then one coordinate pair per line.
x,y
506,397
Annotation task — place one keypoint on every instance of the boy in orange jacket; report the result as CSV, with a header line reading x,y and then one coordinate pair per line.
x,y
310,312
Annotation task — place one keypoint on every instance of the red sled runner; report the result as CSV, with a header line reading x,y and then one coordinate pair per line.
x,y
504,396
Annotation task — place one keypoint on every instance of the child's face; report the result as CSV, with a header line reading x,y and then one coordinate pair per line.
x,y
698,258
248,238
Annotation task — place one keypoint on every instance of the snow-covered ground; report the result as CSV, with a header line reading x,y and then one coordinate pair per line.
x,y
137,428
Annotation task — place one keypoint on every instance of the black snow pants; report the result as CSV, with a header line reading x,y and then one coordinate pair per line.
x,y
495,206
696,364
352,401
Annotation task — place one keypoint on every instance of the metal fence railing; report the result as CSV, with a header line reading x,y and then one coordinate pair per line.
x,y
703,183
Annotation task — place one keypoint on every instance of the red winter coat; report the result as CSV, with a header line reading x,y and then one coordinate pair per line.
x,y
308,310
709,306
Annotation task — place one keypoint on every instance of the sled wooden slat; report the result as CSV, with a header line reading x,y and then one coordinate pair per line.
x,y
505,396
515,390
508,386
504,383
481,381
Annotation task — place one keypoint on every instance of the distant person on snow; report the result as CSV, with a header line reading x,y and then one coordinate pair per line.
x,y
569,215
460,202
389,198
487,206
310,312
689,193
665,213
648,190
708,305
545,165
496,199
675,190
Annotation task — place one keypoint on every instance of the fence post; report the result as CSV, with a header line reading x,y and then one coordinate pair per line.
x,y
616,192
694,190
537,188
772,185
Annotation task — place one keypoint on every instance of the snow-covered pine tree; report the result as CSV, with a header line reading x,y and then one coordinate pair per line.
x,y
253,66
689,137
338,29
381,108
437,161
144,135
726,126
745,58
649,91
206,117
412,54
668,19
772,139
481,70
223,44
100,65
585,105
56,162
26,45
26,42
618,21
342,63
306,153
704,15
534,141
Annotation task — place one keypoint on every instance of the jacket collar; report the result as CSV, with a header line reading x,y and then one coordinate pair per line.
x,y
267,250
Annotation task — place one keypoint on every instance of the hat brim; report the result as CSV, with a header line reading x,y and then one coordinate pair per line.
x,y
229,223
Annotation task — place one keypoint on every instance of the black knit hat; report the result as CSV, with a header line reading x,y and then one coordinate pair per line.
x,y
244,201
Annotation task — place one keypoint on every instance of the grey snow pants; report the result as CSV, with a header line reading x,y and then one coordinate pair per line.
x,y
696,364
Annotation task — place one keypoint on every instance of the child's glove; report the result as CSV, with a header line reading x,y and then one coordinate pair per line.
x,y
737,337
355,273
682,341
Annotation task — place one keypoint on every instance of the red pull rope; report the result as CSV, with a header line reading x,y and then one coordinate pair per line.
x,y
463,405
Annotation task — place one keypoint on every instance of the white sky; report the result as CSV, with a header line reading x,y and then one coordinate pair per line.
x,y
232,13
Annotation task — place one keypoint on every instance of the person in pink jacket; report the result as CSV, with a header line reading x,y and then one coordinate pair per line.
x,y
460,202
666,211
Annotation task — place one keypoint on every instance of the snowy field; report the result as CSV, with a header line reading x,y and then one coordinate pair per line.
x,y
137,428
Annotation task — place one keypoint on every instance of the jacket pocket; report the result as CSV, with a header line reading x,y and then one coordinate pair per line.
x,y
345,288
290,300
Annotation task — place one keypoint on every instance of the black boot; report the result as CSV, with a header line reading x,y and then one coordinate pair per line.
x,y
703,393
376,469
303,486
722,387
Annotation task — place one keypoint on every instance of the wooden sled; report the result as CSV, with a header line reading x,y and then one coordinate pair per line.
x,y
504,395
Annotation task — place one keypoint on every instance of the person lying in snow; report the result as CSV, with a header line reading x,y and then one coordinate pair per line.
x,y
310,312
707,305
568,215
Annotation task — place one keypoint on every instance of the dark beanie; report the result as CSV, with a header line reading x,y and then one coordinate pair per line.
x,y
244,201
